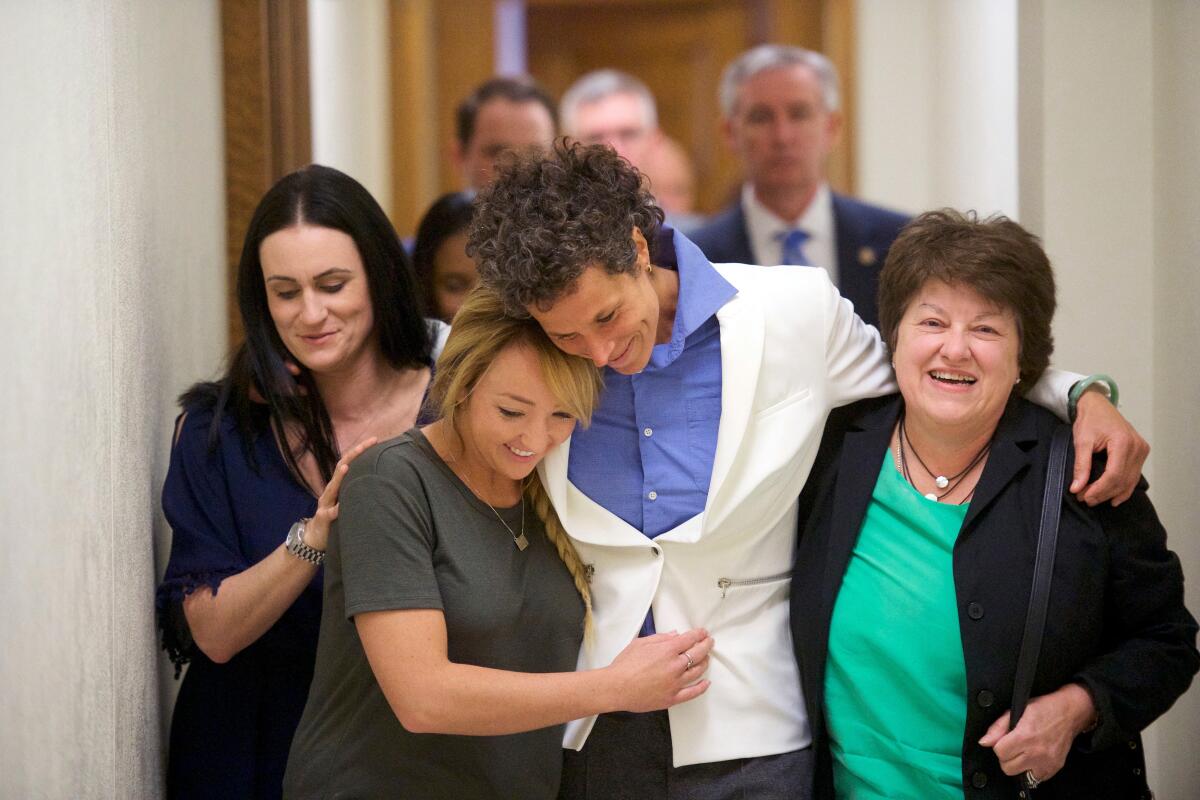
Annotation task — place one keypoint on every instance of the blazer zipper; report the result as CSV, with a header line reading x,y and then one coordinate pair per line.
x,y
724,584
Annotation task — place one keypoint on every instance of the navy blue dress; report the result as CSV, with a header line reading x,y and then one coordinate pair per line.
x,y
233,722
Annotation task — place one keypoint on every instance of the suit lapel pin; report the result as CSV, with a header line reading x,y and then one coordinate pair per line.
x,y
866,256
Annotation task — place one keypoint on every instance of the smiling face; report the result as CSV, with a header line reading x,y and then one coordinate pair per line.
x,y
318,296
613,320
781,130
511,419
956,358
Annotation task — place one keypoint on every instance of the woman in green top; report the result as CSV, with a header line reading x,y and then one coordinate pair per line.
x,y
916,557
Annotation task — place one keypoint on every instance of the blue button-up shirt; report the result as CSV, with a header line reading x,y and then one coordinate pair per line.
x,y
648,455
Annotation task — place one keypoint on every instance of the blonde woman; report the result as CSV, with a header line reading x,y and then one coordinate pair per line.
x,y
454,602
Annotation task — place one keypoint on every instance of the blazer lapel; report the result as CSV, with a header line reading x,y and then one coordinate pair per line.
x,y
742,329
1006,460
858,472
583,518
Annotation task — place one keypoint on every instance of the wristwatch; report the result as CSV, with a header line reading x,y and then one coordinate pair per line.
x,y
296,546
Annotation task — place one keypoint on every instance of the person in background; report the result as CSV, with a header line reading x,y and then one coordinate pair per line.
x,y
336,355
920,530
607,106
455,605
444,271
682,494
501,114
673,182
781,117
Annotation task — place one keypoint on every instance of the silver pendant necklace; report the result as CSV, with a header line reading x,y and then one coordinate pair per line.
x,y
518,538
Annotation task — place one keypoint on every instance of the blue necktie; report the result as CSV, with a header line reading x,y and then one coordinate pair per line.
x,y
793,247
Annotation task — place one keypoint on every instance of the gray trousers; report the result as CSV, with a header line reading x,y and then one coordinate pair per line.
x,y
628,757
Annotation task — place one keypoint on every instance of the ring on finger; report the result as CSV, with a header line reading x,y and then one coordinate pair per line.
x,y
688,656
1029,780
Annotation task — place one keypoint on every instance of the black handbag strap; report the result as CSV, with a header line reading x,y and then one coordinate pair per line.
x,y
1043,570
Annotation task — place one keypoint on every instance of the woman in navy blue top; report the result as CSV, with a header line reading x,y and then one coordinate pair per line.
x,y
336,356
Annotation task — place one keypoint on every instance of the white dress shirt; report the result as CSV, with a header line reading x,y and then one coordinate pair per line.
x,y
766,230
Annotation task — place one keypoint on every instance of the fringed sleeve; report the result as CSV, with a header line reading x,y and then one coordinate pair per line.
x,y
205,547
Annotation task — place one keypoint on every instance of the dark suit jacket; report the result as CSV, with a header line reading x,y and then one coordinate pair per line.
x,y
863,232
1116,622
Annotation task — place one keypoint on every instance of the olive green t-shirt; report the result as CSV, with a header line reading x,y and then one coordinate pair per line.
x,y
411,535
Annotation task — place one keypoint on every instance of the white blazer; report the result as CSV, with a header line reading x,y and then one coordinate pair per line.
x,y
791,349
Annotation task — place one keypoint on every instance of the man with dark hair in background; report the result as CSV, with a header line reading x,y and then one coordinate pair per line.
x,y
501,114
781,117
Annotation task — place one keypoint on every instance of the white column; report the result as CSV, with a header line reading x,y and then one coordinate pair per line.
x,y
511,40
1175,771
112,223
1086,132
349,65
1109,118
936,117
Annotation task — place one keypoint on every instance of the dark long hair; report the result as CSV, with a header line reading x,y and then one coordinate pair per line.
x,y
257,388
449,215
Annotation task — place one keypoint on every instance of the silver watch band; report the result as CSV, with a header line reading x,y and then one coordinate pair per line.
x,y
296,546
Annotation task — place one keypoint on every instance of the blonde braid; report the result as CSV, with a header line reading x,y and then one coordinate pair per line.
x,y
540,501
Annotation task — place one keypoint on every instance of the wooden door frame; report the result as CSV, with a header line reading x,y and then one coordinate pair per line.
x,y
268,119
824,25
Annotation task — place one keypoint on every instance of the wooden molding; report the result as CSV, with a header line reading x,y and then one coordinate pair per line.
x,y
465,50
415,174
441,51
290,87
837,37
268,125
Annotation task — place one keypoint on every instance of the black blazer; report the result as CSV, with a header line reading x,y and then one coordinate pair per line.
x,y
863,233
1116,622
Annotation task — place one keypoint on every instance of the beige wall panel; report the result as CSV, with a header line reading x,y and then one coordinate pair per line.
x,y
112,218
1175,771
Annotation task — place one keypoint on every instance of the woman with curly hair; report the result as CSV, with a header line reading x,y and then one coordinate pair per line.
x,y
682,494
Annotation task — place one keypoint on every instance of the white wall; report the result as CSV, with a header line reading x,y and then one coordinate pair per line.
x,y
349,64
936,121
1110,178
112,223
1106,168
1175,315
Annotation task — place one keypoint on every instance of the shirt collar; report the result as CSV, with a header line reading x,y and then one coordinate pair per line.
x,y
763,225
702,290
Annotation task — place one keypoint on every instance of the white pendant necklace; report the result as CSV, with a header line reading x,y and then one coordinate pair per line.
x,y
940,481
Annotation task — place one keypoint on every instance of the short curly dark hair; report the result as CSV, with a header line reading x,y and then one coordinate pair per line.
x,y
550,216
995,257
